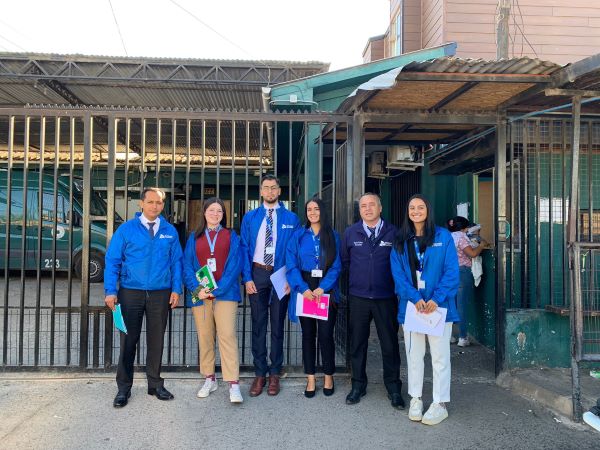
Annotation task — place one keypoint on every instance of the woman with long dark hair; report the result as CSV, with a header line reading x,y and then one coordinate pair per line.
x,y
313,268
425,270
212,244
458,226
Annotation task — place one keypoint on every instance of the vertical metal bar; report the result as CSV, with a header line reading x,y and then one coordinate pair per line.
x,y
538,216
513,199
274,150
24,256
9,167
290,173
96,339
305,147
525,233
173,149
110,228
143,171
565,262
576,304
590,168
188,147
218,179
357,156
40,219
88,145
127,147
334,176
71,219
260,155
54,238
158,148
320,160
202,174
233,138
500,216
245,306
550,214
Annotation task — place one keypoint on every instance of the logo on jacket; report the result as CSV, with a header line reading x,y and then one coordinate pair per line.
x,y
385,244
165,236
437,244
358,243
283,226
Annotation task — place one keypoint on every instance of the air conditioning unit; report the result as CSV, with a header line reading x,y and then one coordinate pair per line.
x,y
404,157
376,167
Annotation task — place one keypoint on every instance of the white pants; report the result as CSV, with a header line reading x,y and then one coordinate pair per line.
x,y
439,347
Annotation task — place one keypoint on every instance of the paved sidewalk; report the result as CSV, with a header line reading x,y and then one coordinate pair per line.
x,y
53,410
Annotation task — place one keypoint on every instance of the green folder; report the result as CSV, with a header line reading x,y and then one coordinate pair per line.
x,y
206,279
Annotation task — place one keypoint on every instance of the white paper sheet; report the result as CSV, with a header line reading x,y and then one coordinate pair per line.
x,y
279,281
462,209
432,324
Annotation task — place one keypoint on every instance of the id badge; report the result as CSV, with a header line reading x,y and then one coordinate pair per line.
x,y
270,250
420,283
212,264
316,273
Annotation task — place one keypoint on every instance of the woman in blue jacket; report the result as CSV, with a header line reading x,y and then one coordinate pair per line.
x,y
215,312
425,270
313,268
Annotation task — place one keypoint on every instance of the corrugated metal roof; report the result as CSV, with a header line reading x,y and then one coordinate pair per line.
x,y
450,64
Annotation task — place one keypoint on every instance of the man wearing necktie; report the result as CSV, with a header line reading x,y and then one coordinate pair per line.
x,y
365,253
144,259
265,234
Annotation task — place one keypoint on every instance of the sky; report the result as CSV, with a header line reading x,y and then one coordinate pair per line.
x,y
333,31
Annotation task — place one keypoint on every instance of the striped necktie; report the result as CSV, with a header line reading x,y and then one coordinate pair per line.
x,y
151,229
268,257
372,237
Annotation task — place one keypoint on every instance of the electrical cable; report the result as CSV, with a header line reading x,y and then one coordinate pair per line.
x,y
118,27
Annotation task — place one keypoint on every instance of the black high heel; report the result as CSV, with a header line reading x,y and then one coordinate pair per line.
x,y
328,392
310,394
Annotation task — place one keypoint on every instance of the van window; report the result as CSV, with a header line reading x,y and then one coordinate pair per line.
x,y
16,207
48,208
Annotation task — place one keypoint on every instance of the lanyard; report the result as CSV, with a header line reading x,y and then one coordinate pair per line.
x,y
317,242
420,256
211,244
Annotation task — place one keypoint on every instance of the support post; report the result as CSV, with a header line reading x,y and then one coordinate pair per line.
x,y
500,201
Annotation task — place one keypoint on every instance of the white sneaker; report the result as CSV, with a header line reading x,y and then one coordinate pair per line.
x,y
463,342
415,412
435,414
453,340
235,395
208,387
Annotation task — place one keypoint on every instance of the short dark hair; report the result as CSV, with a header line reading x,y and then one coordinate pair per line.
x,y
458,223
159,191
269,177
372,194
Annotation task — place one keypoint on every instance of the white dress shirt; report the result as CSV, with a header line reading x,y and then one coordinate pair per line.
x,y
145,221
259,250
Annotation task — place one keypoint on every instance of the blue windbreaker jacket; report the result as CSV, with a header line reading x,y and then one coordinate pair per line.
x,y
228,286
440,273
137,262
370,274
301,257
287,223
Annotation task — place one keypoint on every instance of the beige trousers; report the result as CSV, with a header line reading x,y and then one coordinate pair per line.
x,y
218,318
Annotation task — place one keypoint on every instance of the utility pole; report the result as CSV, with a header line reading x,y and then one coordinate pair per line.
x,y
502,29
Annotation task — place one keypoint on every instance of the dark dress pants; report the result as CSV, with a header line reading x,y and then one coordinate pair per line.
x,y
321,330
262,304
385,313
134,304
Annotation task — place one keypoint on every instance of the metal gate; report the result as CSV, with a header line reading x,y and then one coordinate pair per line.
x,y
70,176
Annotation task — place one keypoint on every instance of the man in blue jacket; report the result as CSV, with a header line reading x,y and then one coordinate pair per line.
x,y
365,252
144,258
265,235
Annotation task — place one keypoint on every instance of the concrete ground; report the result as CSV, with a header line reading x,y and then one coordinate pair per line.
x,y
71,411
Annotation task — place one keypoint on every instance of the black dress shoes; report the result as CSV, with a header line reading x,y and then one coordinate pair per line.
x,y
121,399
354,396
161,393
328,392
397,400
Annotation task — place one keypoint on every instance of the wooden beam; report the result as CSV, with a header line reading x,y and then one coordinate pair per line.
x,y
571,93
415,117
457,93
478,77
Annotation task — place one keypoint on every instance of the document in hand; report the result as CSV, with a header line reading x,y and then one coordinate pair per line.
x,y
206,279
279,282
118,319
317,309
432,324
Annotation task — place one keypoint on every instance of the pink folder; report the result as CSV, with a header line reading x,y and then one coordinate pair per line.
x,y
311,308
